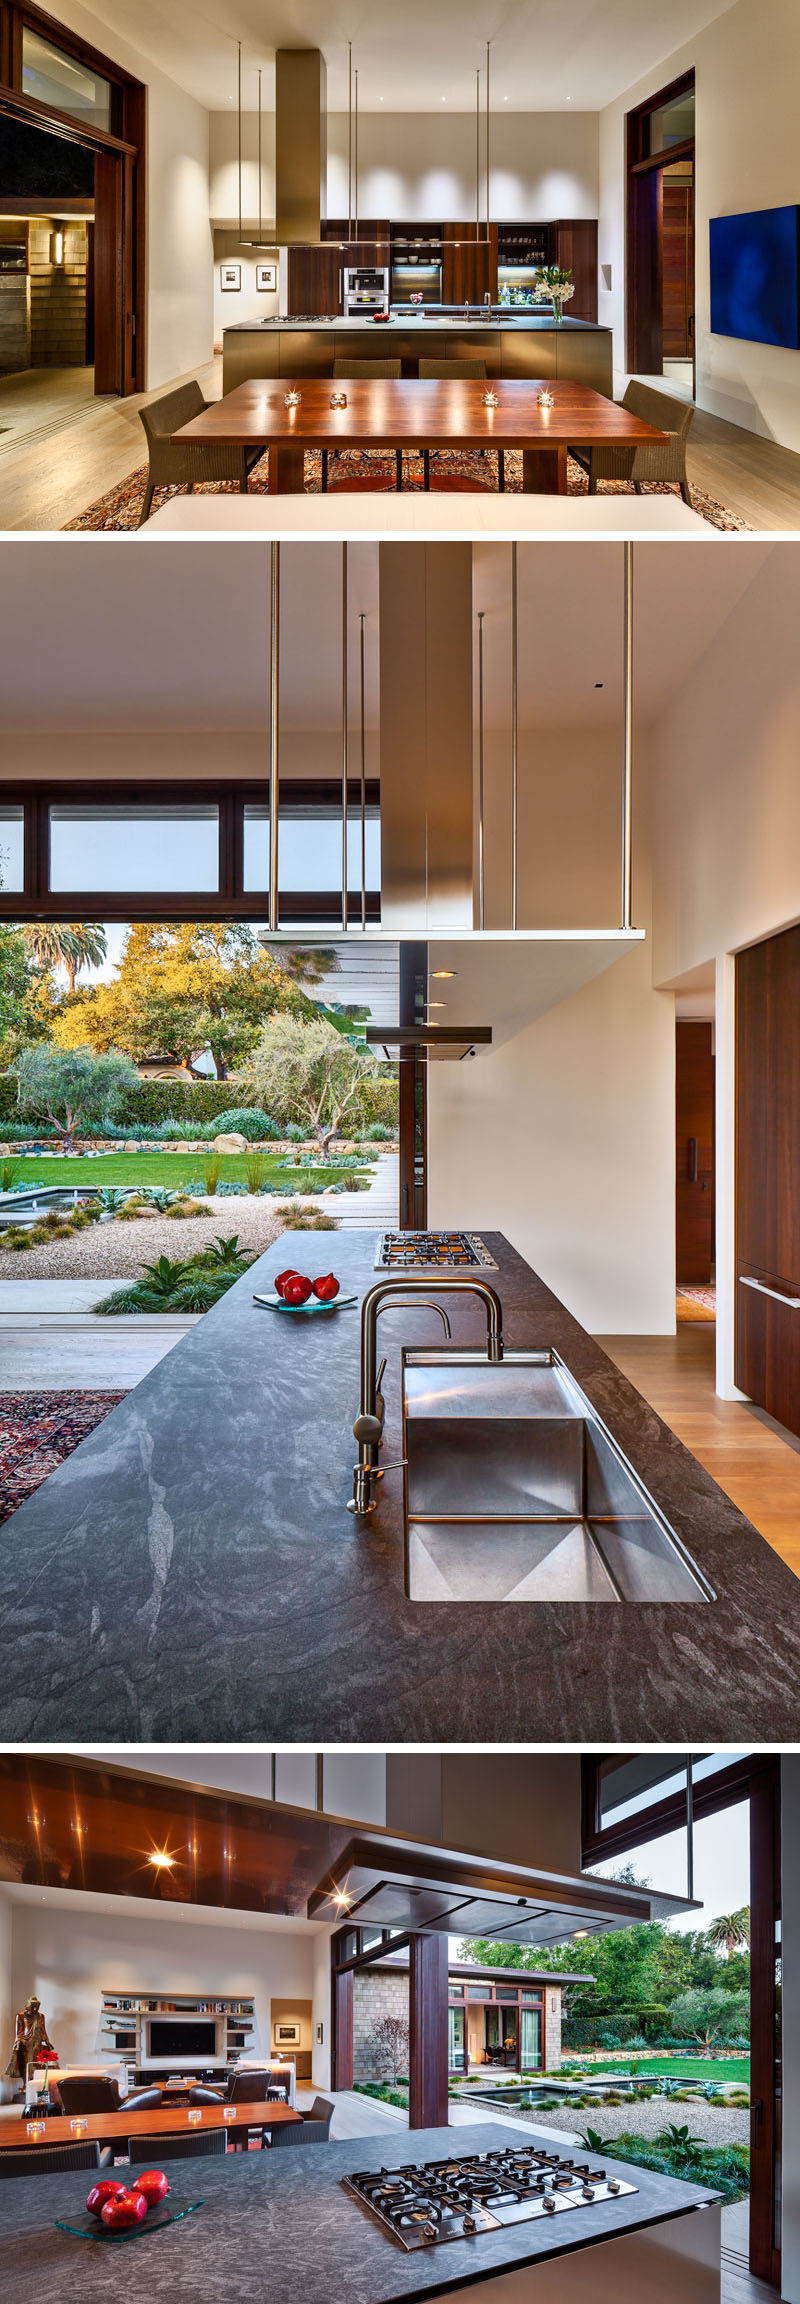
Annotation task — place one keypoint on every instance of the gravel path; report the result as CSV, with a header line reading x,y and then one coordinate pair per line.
x,y
116,1251
715,2123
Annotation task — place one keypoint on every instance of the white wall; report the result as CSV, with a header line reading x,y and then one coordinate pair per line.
x,y
747,67
69,1957
422,166
790,1830
321,2010
179,288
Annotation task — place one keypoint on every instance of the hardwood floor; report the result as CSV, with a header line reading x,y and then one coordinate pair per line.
x,y
70,452
48,481
757,1466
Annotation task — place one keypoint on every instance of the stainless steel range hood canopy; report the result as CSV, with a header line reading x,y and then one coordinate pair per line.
x,y
426,1890
301,145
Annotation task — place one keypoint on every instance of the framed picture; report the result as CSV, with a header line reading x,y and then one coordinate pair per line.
x,y
267,278
230,276
286,2035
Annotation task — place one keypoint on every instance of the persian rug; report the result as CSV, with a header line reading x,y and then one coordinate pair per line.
x,y
359,470
696,1304
37,1431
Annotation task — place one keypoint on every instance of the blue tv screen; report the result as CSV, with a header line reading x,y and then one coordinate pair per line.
x,y
755,262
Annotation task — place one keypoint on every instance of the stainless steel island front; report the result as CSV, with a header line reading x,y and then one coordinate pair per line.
x,y
576,351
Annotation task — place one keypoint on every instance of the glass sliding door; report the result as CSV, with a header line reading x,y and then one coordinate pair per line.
x,y
530,2040
455,2039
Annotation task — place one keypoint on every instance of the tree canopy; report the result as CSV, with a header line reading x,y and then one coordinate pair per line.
x,y
645,1966
304,1070
182,987
71,1087
26,996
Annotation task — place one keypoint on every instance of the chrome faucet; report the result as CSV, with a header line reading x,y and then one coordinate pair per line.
x,y
397,1294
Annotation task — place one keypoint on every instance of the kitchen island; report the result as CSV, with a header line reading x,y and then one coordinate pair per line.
x,y
192,1571
531,345
274,2223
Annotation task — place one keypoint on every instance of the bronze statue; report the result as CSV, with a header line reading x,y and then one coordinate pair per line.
x,y
30,2040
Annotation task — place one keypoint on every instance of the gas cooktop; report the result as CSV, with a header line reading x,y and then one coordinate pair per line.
x,y
457,2199
418,1251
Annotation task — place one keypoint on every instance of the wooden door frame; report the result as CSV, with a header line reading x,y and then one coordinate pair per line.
x,y
123,179
765,2038
643,277
413,1087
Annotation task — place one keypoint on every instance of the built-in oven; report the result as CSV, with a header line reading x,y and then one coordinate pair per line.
x,y
365,289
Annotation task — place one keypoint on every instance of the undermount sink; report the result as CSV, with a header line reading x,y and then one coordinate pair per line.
x,y
515,1490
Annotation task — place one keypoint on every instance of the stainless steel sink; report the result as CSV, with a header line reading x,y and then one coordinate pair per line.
x,y
515,1490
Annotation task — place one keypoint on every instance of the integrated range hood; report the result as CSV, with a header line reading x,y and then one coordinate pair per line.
x,y
301,146
410,1886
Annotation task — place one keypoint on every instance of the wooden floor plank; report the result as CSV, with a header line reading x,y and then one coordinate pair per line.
x,y
746,1454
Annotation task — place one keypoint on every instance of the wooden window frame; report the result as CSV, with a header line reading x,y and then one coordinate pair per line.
x,y
600,1842
641,169
36,901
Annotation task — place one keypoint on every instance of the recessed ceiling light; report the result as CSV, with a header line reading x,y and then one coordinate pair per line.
x,y
599,683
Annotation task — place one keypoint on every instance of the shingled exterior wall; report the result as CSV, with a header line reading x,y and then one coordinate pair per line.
x,y
375,1995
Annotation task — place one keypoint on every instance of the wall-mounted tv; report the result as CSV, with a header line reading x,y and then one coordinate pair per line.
x,y
755,276
192,2038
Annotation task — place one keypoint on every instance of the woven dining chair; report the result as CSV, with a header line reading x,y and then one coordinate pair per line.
x,y
653,463
185,463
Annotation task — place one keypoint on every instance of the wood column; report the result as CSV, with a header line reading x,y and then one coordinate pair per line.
x,y
342,2061
766,2149
427,2105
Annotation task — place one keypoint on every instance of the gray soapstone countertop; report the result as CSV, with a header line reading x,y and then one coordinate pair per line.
x,y
439,323
192,1573
281,2223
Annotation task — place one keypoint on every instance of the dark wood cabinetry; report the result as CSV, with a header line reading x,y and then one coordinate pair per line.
x,y
469,264
768,1175
576,252
316,273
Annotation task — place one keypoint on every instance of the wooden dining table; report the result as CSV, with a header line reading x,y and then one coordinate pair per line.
x,y
415,414
114,2127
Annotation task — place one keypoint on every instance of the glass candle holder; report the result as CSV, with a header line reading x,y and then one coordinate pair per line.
x,y
36,2130
194,2116
546,400
291,399
338,399
229,2116
490,399
79,2127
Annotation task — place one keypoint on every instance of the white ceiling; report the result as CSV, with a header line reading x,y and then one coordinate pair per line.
x,y
546,54
173,638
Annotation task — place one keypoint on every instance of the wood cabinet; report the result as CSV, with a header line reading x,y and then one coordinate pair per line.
x,y
316,274
575,249
768,1175
469,264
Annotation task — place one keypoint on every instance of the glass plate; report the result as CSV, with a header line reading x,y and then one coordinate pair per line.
x,y
276,1304
169,2211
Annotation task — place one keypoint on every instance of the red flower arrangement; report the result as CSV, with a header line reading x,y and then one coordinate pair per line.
x,y
46,2056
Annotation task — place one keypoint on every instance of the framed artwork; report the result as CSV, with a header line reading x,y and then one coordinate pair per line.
x,y
267,278
230,276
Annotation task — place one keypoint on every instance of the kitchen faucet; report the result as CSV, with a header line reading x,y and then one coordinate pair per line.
x,y
409,1295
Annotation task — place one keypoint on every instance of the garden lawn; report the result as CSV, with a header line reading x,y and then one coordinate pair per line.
x,y
699,2068
171,1168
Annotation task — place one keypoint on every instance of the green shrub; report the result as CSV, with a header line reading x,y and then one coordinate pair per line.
x,y
16,1237
379,1133
302,1220
9,1174
244,1120
212,1171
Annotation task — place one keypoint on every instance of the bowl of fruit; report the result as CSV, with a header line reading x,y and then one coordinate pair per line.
x,y
116,2210
294,1292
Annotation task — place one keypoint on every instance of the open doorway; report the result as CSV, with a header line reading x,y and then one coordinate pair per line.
x,y
660,240
695,1231
71,231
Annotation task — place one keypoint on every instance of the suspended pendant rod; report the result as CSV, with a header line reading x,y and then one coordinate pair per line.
x,y
481,777
350,142
363,776
345,736
240,139
626,907
488,118
478,150
274,730
260,198
514,728
355,183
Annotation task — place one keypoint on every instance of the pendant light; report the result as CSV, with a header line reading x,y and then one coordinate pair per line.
x,y
626,906
274,729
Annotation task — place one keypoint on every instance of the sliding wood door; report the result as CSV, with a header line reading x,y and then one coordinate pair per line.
x,y
768,1175
694,1152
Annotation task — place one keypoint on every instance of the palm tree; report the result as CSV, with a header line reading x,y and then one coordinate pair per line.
x,y
72,948
87,949
730,1932
304,964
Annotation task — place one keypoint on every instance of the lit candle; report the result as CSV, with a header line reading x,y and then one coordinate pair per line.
x,y
291,399
78,2127
36,2130
491,399
194,2116
338,399
546,400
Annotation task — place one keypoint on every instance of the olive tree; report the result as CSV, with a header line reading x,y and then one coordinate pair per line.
x,y
388,2039
308,1072
71,1087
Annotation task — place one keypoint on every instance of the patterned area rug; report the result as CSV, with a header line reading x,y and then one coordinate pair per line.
x,y
696,1304
37,1431
358,470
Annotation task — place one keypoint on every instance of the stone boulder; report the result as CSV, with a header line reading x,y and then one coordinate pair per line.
x,y
232,1143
